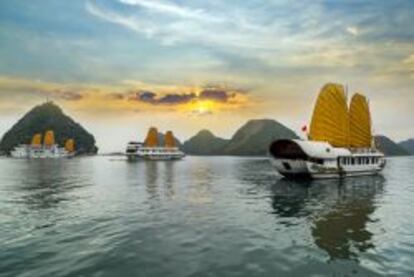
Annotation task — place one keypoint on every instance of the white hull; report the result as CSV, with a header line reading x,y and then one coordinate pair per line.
x,y
303,169
304,159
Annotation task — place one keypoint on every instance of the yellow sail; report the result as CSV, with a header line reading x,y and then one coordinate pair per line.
x,y
70,145
49,139
330,120
36,140
169,140
360,122
152,138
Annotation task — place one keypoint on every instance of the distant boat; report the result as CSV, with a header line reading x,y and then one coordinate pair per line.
x,y
340,141
46,150
151,149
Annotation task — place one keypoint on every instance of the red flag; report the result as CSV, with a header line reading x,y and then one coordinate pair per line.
x,y
304,128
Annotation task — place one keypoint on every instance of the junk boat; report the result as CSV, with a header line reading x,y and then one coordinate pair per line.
x,y
152,150
340,141
48,149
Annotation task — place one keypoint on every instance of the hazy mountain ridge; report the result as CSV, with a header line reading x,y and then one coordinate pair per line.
x,y
408,145
252,139
389,147
205,143
48,116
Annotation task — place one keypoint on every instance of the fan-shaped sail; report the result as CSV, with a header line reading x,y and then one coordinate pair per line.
x,y
49,139
169,140
36,140
360,122
70,145
330,121
152,138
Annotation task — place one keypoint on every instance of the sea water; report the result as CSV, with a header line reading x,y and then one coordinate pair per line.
x,y
202,216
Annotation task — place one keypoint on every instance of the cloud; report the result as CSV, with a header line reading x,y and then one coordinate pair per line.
x,y
146,96
197,112
174,99
41,88
353,30
167,99
216,95
115,96
171,9
68,95
210,93
172,24
409,61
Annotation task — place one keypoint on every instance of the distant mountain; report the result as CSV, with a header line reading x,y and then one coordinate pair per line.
x,y
255,136
44,117
252,139
408,145
205,143
389,147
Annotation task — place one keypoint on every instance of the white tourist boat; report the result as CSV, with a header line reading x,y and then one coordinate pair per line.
x,y
151,150
46,150
340,141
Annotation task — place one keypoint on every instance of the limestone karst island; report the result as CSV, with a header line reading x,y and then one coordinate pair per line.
x,y
46,132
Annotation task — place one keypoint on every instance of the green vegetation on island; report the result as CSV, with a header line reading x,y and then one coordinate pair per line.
x,y
48,116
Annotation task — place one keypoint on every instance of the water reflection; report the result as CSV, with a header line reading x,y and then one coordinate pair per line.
x,y
340,212
169,179
289,198
151,179
46,183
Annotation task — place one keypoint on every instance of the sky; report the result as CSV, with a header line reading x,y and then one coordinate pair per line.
x,y
121,66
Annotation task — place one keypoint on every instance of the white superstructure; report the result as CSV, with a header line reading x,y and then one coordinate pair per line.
x,y
312,159
45,148
26,151
136,151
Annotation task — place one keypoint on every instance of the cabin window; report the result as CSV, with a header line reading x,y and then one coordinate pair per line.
x,y
287,166
352,161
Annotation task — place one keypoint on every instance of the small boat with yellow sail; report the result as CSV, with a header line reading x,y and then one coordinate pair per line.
x,y
152,149
340,141
44,149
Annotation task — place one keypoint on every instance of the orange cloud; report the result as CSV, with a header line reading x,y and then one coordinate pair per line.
x,y
128,96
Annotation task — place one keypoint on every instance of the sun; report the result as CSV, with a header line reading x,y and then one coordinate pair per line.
x,y
204,106
201,107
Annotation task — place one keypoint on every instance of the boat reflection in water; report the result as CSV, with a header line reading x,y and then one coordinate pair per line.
x,y
340,212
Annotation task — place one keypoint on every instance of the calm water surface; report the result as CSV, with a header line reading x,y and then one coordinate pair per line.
x,y
217,216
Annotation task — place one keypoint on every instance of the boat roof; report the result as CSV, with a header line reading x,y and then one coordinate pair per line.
x,y
322,150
